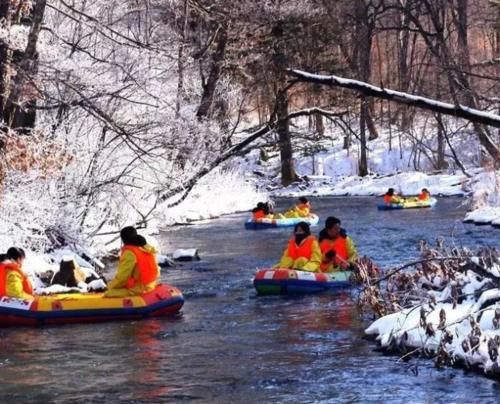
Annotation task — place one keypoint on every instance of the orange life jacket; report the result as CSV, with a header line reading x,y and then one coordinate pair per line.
x,y
13,266
145,264
339,245
423,196
259,214
303,250
303,206
387,198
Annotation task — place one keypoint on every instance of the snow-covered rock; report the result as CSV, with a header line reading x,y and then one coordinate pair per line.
x,y
484,215
189,254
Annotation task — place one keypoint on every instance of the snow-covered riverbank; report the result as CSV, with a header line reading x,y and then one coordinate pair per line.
x,y
446,306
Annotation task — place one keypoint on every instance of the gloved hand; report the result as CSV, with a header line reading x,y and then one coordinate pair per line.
x,y
330,255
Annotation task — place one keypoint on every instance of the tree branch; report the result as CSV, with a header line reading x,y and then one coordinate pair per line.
x,y
459,111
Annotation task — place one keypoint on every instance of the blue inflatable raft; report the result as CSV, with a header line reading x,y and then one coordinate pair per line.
x,y
408,204
259,224
279,281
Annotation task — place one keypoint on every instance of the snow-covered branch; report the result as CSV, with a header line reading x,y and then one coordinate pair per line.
x,y
459,111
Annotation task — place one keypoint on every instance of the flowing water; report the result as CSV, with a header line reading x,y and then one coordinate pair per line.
x,y
229,345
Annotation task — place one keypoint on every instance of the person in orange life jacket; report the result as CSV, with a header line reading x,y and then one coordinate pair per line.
x,y
261,211
337,248
391,197
424,195
302,251
137,271
258,212
13,281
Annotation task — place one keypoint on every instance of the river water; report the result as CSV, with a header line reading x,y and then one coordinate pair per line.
x,y
229,345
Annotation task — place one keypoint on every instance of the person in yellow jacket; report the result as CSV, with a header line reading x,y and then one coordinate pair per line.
x,y
13,281
137,271
337,248
302,251
301,209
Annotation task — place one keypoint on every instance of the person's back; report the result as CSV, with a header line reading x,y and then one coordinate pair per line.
x,y
387,198
137,271
258,214
391,197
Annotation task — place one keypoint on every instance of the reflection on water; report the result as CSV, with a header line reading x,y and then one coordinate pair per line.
x,y
229,345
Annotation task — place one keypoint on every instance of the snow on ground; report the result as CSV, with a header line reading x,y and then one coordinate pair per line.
x,y
215,195
329,169
409,183
485,188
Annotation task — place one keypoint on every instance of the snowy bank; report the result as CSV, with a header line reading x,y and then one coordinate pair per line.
x,y
217,194
452,312
409,183
485,200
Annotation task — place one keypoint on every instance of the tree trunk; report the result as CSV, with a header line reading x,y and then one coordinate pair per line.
x,y
370,124
363,158
369,90
288,174
181,59
364,35
209,87
4,60
441,144
404,71
20,117
496,55
320,126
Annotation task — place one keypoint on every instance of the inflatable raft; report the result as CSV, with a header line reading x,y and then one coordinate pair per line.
x,y
280,281
89,307
258,224
411,204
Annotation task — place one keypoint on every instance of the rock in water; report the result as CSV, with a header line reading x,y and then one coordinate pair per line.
x,y
165,261
188,254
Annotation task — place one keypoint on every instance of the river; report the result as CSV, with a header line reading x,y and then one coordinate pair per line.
x,y
229,345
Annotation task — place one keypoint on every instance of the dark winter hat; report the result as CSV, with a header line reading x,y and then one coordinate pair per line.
x,y
140,241
14,253
128,235
331,221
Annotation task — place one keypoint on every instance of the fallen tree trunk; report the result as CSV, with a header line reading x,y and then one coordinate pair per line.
x,y
457,110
